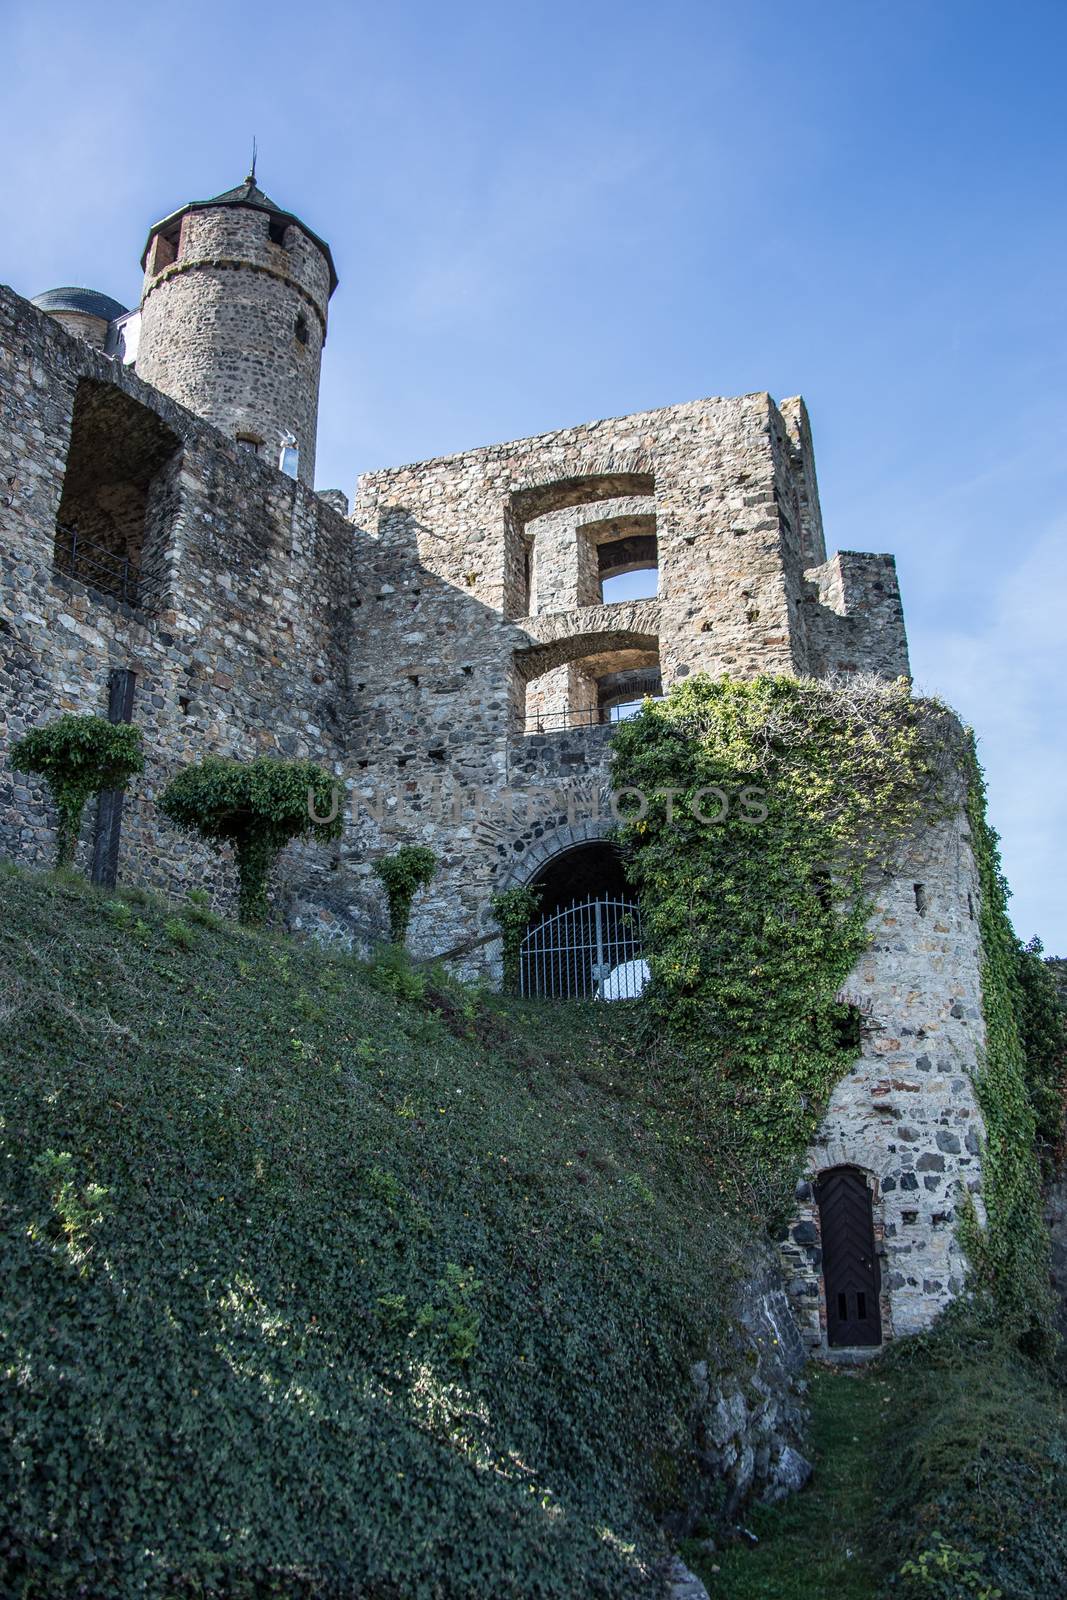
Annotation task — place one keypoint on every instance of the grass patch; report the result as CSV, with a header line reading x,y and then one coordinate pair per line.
x,y
975,1483
940,1474
322,1281
818,1543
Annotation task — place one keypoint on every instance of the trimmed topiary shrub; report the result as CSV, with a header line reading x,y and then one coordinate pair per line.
x,y
402,874
78,756
257,807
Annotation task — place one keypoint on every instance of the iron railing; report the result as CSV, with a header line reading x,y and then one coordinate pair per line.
x,y
588,951
616,710
92,564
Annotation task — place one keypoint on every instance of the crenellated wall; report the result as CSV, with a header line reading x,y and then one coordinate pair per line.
x,y
854,618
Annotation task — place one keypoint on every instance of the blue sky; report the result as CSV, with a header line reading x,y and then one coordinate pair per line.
x,y
549,213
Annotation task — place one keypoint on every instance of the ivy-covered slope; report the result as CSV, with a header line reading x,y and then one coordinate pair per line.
x,y
311,1289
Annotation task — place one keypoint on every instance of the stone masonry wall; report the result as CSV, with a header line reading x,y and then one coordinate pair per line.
x,y
245,649
85,326
219,328
458,551
855,620
907,1115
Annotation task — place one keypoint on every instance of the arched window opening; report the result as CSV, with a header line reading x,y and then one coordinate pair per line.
x,y
622,694
575,579
603,681
166,248
626,550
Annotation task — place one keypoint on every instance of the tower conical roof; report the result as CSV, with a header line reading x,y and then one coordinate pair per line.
x,y
248,193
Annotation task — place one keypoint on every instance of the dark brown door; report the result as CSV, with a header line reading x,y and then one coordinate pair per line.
x,y
849,1264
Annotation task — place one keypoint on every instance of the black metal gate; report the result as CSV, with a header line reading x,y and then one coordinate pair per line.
x,y
588,951
849,1263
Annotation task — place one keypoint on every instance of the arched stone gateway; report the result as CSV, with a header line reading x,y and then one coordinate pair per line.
x,y
534,858
584,941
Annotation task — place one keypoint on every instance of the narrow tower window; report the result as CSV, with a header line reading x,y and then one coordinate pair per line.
x,y
301,329
166,249
276,230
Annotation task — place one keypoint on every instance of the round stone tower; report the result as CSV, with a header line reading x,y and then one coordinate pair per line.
x,y
233,320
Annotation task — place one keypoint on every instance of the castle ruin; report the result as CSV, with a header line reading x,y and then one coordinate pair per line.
x,y
454,651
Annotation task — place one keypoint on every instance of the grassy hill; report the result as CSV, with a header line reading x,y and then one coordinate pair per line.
x,y
328,1280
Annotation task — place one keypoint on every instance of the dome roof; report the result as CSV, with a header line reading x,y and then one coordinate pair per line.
x,y
251,195
89,301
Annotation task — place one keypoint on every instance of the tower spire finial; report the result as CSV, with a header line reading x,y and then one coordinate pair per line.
x,y
252,169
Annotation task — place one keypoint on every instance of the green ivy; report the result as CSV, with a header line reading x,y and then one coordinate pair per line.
x,y
308,1295
257,807
1010,1256
402,874
972,1477
78,756
512,911
755,920
1043,1034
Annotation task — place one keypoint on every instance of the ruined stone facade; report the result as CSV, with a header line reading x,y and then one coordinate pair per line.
x,y
452,653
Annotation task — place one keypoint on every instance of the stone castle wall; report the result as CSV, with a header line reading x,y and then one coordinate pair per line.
x,y
234,327
243,648
413,648
906,1115
480,570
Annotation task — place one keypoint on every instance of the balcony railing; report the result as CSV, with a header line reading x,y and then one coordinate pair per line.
x,y
593,716
92,564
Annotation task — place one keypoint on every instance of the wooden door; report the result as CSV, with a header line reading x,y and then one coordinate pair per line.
x,y
849,1264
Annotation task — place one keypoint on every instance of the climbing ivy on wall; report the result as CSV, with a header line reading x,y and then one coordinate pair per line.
x,y
770,802
1009,1256
1043,1035
764,812
402,874
513,910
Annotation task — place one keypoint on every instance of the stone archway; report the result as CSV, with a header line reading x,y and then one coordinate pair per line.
x,y
536,856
